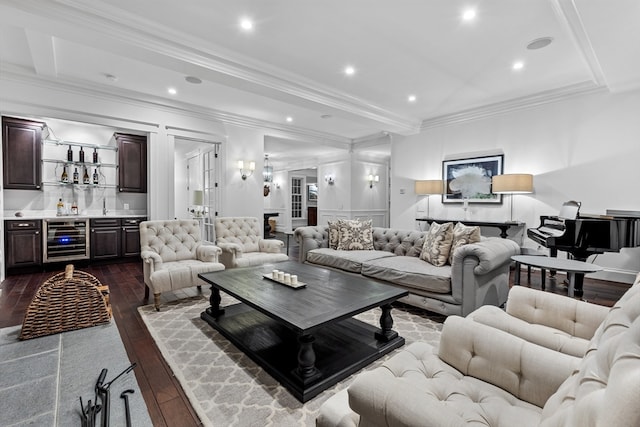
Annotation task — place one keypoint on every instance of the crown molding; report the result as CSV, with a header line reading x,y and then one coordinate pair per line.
x,y
525,102
147,35
12,73
569,16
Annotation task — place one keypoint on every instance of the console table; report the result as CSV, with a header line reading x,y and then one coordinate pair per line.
x,y
503,226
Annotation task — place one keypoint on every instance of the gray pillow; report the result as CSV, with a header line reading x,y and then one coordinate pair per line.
x,y
437,244
355,235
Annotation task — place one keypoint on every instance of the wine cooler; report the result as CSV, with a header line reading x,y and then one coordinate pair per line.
x,y
66,239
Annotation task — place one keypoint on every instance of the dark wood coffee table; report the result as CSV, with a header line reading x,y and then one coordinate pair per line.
x,y
305,338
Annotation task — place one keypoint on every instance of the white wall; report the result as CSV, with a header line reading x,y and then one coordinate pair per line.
x,y
585,148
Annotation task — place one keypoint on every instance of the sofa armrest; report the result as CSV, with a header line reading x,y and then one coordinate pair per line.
x,y
152,258
491,253
528,371
575,317
208,253
230,252
311,237
270,245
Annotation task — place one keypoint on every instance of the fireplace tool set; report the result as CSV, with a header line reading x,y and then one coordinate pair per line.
x,y
103,390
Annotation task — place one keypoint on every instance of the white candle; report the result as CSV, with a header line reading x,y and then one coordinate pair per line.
x,y
294,279
274,274
287,278
281,275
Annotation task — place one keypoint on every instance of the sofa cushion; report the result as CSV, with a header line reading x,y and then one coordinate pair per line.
x,y
437,244
409,271
344,260
355,235
463,235
543,335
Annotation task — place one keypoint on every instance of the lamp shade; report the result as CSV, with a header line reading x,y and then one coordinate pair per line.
x,y
431,186
512,183
198,198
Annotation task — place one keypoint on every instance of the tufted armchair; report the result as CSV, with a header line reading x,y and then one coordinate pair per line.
x,y
240,239
482,376
173,255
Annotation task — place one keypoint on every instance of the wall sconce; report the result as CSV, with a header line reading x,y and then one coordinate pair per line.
x,y
373,179
330,179
514,183
276,184
429,187
246,173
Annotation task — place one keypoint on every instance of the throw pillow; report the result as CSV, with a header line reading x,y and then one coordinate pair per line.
x,y
463,235
334,234
355,235
437,243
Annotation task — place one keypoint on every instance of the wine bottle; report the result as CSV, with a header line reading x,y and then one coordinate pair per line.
x,y
74,208
75,176
60,208
85,176
64,178
95,155
95,176
70,154
81,155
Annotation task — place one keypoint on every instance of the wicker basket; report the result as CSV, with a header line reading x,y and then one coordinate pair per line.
x,y
66,301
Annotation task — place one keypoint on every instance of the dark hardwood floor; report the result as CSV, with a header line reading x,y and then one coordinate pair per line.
x,y
166,401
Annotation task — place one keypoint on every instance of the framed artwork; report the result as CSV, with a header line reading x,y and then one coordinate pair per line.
x,y
470,179
312,192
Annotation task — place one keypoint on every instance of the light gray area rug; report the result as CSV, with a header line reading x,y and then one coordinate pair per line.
x,y
42,379
226,388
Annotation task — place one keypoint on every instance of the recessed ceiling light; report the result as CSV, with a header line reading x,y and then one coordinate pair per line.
x,y
246,24
411,98
349,70
193,79
325,116
111,77
518,65
469,15
172,91
539,43
289,119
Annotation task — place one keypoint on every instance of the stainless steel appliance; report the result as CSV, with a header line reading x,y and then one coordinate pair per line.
x,y
65,239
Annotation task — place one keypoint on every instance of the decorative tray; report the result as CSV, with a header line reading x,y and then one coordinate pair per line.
x,y
296,286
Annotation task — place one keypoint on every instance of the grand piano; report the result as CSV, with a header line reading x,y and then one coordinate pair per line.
x,y
585,235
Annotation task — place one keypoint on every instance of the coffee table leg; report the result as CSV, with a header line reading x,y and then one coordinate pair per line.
x,y
214,300
386,334
306,370
576,281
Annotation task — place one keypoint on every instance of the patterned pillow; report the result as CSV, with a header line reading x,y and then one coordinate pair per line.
x,y
355,235
463,235
334,235
437,243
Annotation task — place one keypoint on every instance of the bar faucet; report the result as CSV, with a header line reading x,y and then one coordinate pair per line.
x,y
104,206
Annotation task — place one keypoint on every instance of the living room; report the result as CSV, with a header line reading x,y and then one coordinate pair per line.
x,y
569,119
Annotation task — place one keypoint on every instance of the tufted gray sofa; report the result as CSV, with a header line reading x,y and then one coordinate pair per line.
x,y
240,239
483,376
173,255
479,273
